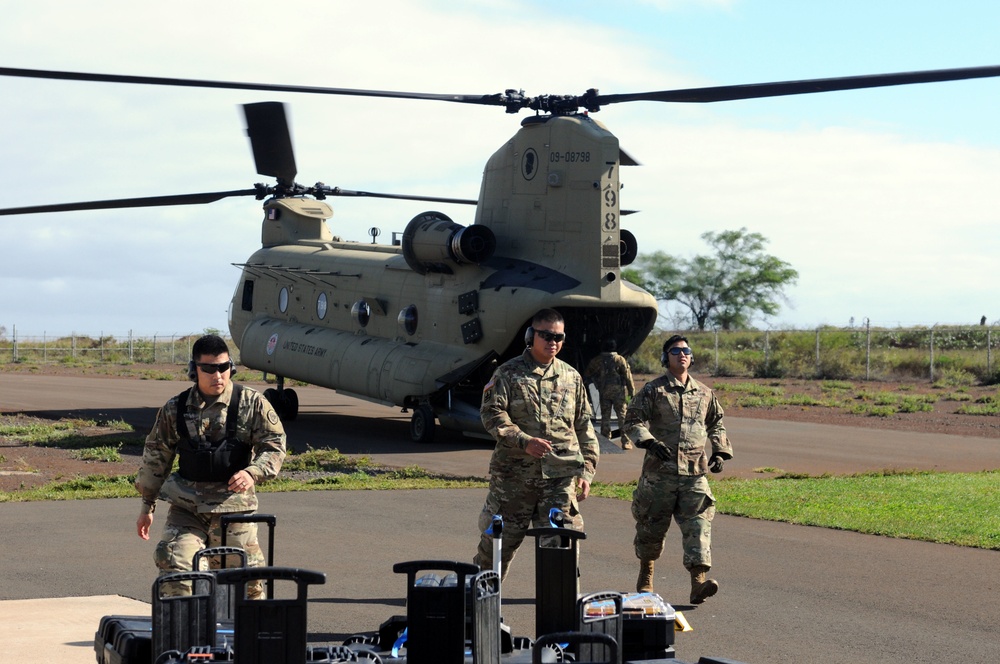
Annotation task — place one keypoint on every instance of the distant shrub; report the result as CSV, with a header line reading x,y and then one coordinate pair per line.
x,y
771,368
953,377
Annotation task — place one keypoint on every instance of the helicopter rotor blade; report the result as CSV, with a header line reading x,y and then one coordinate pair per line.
x,y
514,100
809,86
271,141
337,191
492,100
148,201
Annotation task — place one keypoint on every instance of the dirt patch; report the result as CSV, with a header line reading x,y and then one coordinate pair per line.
x,y
26,466
944,418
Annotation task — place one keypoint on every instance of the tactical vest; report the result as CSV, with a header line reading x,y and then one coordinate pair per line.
x,y
207,461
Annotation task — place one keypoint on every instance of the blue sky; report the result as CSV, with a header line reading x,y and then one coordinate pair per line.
x,y
885,201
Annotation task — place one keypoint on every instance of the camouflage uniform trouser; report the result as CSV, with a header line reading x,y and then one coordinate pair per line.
x,y
609,402
523,502
185,533
689,501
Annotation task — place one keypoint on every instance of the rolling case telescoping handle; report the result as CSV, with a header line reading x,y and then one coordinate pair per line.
x,y
241,517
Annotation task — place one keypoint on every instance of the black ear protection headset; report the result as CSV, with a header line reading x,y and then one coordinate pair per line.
x,y
193,369
529,336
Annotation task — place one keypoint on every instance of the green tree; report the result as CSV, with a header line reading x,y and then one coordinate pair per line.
x,y
726,288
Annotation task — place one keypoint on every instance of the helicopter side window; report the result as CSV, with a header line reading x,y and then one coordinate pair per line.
x,y
283,299
321,306
407,319
361,312
247,304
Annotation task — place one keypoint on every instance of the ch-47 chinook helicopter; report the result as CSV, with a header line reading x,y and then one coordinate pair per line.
x,y
422,323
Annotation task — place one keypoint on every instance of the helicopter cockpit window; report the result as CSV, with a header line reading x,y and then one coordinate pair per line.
x,y
283,300
361,312
321,306
407,320
247,302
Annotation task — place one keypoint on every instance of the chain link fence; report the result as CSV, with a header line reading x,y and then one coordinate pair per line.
x,y
852,353
963,354
111,349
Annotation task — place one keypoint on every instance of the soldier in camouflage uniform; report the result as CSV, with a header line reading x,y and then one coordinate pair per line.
x,y
673,418
611,375
210,481
537,409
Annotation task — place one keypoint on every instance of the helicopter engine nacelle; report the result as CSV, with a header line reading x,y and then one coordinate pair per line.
x,y
629,247
432,241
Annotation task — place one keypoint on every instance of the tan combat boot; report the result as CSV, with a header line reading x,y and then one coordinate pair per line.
x,y
606,432
645,582
701,587
626,444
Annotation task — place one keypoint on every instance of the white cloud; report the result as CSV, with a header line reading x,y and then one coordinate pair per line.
x,y
875,217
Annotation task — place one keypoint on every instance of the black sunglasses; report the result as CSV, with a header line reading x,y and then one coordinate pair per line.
x,y
677,350
551,336
209,368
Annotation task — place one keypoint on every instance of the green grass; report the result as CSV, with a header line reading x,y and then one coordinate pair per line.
x,y
66,433
324,460
751,388
39,432
104,453
985,409
919,505
106,486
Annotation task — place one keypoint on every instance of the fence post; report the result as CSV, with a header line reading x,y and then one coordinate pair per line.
x,y
767,350
72,345
716,333
819,368
868,349
45,347
932,354
989,352
13,345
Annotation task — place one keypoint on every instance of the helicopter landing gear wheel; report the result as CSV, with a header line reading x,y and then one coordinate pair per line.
x,y
271,395
290,404
284,402
422,424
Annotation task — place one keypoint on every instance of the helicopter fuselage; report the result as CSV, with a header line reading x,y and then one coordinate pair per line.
x,y
426,321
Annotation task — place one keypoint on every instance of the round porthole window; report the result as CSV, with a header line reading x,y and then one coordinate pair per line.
x,y
361,312
283,300
321,306
407,320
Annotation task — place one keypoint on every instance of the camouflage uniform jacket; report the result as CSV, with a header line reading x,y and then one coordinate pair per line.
x,y
674,421
258,425
524,400
610,371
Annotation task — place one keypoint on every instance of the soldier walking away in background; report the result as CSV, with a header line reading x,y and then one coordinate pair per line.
x,y
673,418
537,409
611,375
227,439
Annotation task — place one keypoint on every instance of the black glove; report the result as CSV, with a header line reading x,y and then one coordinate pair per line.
x,y
660,450
715,463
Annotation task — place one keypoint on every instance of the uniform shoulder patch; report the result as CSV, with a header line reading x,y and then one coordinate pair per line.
x,y
272,417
